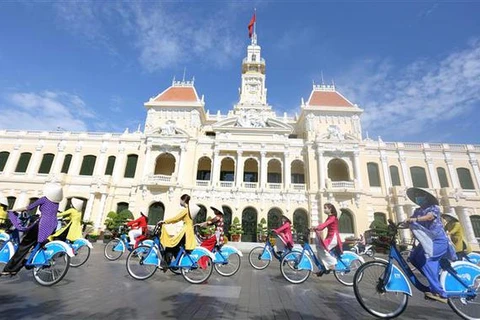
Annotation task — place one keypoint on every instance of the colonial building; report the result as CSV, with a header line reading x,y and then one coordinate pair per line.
x,y
251,161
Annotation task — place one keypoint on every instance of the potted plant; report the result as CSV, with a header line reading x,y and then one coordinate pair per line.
x,y
92,237
262,230
208,230
235,230
107,236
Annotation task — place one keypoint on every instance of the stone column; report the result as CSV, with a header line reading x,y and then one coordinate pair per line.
x,y
101,213
476,171
386,172
451,171
321,169
146,167
263,169
33,165
119,169
181,164
356,169
464,217
405,170
239,169
216,168
433,173
400,216
100,165
287,171
75,166
89,207
12,160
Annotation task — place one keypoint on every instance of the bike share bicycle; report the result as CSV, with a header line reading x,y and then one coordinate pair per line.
x,y
382,288
227,259
49,262
81,249
115,248
143,261
296,266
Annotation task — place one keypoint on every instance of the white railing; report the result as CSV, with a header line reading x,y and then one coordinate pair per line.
x,y
250,185
457,147
436,146
159,178
226,184
417,146
343,184
275,186
298,186
203,183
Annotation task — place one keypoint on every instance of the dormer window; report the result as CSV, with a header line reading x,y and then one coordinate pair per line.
x,y
254,57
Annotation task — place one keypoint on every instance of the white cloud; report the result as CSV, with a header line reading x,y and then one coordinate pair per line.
x,y
162,36
47,110
414,99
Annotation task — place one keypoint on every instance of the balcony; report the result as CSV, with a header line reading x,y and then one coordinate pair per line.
x,y
342,184
203,183
298,186
226,184
160,179
274,186
250,185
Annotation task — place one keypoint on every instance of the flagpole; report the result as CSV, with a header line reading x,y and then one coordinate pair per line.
x,y
255,22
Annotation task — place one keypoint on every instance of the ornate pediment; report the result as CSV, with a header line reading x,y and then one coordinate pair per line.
x,y
168,129
250,119
334,133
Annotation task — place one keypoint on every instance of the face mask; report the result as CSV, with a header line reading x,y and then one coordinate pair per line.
x,y
420,200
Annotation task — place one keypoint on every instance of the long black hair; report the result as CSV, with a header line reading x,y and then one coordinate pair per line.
x,y
330,206
185,198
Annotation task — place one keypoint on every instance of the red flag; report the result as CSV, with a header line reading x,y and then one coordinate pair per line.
x,y
250,25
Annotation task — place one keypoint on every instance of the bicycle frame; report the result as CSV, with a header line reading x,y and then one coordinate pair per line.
x,y
305,262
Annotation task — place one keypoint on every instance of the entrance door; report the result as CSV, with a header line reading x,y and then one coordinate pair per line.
x,y
249,225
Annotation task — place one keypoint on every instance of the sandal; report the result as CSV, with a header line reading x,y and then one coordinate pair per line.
x,y
8,273
436,297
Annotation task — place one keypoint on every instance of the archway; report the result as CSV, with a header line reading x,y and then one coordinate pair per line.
x,y
165,164
274,218
346,222
227,219
156,212
249,224
202,214
301,225
338,170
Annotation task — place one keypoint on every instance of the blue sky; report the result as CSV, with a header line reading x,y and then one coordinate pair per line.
x,y
414,67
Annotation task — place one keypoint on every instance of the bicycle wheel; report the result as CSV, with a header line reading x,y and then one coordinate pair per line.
x,y
2,244
109,251
374,299
254,257
231,267
54,271
135,266
346,277
81,256
467,308
195,274
289,268
370,252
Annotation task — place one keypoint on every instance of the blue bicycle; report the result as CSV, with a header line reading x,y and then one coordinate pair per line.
x,y
143,261
261,256
382,288
115,248
81,249
49,262
297,266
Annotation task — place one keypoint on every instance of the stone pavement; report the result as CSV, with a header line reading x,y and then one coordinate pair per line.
x,y
103,290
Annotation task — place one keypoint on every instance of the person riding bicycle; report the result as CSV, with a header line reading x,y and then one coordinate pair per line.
x,y
73,230
284,235
427,228
3,213
332,239
137,227
186,236
217,239
455,230
40,230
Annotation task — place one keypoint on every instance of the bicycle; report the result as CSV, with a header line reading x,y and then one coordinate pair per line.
x,y
81,249
300,265
382,288
227,259
143,261
261,256
49,262
115,248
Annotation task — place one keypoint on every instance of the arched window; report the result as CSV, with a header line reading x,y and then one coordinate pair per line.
x,y
227,170
3,159
297,170
110,165
274,218
476,225
274,171
345,222
202,215
46,163
338,170
442,177
250,171
23,161
131,166
204,169
11,202
156,212
88,165
301,225
419,177
165,164
66,163
122,206
465,178
395,176
227,219
373,174
249,225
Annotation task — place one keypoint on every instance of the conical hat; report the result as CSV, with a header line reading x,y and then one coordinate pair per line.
x,y
216,209
194,210
451,215
4,201
77,204
53,192
417,192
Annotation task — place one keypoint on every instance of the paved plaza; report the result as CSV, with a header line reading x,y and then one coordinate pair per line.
x,y
103,290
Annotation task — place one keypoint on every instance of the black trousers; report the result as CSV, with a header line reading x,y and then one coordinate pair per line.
x,y
63,236
29,240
